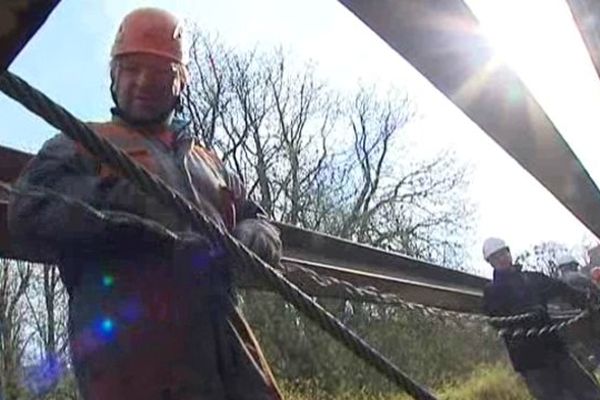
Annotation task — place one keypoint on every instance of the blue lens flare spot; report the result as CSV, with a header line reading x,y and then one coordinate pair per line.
x,y
108,281
104,330
107,326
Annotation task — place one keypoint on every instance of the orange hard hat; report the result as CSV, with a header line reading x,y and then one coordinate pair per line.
x,y
595,274
150,31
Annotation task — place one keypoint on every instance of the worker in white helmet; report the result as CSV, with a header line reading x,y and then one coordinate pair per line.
x,y
570,273
585,336
544,362
567,262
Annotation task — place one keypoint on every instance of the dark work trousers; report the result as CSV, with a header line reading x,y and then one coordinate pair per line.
x,y
563,379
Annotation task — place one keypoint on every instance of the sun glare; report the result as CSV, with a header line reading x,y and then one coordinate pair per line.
x,y
539,40
527,34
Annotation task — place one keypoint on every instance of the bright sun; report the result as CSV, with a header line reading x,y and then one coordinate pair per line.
x,y
539,40
528,34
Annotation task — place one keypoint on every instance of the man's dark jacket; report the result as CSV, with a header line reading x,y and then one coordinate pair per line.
x,y
514,292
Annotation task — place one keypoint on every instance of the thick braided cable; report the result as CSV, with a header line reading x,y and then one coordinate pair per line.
x,y
41,105
504,324
372,294
543,330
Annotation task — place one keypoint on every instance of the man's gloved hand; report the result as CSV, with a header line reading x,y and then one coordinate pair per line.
x,y
261,237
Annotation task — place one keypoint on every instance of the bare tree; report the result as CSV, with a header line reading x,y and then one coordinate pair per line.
x,y
47,308
305,114
269,123
47,305
15,277
33,330
374,191
543,258
322,162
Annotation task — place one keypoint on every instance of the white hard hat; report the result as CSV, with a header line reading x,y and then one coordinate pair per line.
x,y
566,259
492,245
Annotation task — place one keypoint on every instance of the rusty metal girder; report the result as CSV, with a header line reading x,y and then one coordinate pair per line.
x,y
442,40
4,240
392,273
410,288
412,279
19,20
12,162
320,249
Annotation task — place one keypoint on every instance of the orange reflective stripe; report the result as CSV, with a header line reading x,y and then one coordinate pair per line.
x,y
127,140
134,144
228,209
210,158
228,199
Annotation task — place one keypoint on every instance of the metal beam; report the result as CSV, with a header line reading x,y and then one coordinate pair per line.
x,y
4,240
19,21
442,40
586,14
412,279
411,289
388,272
321,249
12,162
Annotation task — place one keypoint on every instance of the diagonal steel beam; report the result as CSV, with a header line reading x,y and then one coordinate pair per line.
x,y
19,20
586,14
12,162
442,40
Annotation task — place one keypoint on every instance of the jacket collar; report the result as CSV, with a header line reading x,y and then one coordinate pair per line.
x,y
176,125
507,274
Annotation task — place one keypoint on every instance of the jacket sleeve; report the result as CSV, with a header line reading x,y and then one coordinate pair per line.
x,y
580,282
40,224
492,303
553,288
44,227
252,226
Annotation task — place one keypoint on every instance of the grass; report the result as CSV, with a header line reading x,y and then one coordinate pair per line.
x,y
490,383
496,382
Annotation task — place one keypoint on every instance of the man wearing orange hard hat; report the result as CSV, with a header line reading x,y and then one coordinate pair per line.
x,y
149,318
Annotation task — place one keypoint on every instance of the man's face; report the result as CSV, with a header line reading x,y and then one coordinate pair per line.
x,y
501,260
146,86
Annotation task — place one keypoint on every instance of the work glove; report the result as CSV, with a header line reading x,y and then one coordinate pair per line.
x,y
261,237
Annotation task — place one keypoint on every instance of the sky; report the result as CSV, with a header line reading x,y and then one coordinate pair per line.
x,y
68,60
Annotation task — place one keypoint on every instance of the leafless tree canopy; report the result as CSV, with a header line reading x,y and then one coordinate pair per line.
x,y
543,258
14,281
327,162
33,345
